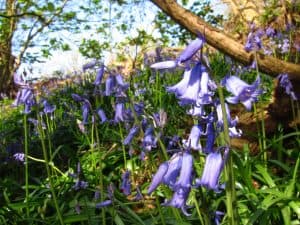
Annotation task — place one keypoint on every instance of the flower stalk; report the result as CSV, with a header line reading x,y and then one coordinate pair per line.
x,y
231,202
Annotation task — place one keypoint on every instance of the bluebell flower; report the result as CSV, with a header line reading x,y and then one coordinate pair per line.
x,y
192,48
210,137
132,133
185,177
139,195
110,84
126,183
179,199
158,177
181,86
103,204
120,82
270,32
174,166
89,65
164,65
19,157
193,141
253,42
190,94
197,110
79,184
120,112
19,80
212,169
243,92
102,115
149,140
284,46
233,131
77,97
285,83
160,118
99,75
85,112
48,108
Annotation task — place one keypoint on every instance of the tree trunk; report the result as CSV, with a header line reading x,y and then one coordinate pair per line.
x,y
224,43
8,27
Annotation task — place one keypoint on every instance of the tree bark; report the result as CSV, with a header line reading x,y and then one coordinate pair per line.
x,y
8,26
223,42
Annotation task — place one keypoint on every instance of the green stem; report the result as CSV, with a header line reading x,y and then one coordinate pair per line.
x,y
123,147
26,165
42,138
163,222
231,202
101,177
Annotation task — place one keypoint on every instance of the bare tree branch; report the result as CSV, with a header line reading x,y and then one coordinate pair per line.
x,y
224,42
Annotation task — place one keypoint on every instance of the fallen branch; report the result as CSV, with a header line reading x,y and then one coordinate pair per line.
x,y
223,42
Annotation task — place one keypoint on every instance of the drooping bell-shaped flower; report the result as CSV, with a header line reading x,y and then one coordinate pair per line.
x,y
89,65
99,75
185,177
212,169
192,90
158,177
210,137
233,131
179,199
101,115
192,48
149,140
48,108
179,88
164,65
120,82
132,133
103,204
110,83
174,166
126,183
193,141
120,112
242,92
85,112
285,83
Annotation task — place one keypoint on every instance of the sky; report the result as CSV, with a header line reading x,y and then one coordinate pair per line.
x,y
69,61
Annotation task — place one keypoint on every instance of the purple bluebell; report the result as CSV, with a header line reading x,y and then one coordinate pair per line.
x,y
89,65
160,118
19,80
79,184
77,97
149,140
194,138
284,46
158,177
186,171
99,75
254,42
174,166
179,199
120,112
164,65
285,83
110,84
190,94
210,137
120,81
233,131
270,32
104,203
243,92
48,108
86,107
212,169
132,133
197,110
126,183
192,48
19,157
102,115
182,85
139,195
207,88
